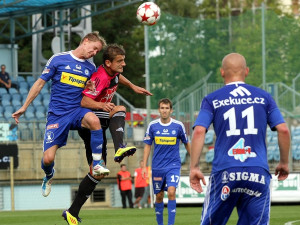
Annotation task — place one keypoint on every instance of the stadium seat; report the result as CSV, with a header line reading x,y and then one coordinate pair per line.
x,y
182,153
16,104
30,79
3,91
1,110
46,99
276,155
29,115
296,154
209,137
40,115
16,96
37,102
40,108
23,84
31,108
23,91
13,91
20,79
209,157
45,90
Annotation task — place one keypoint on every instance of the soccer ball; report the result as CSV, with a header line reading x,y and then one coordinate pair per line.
x,y
148,13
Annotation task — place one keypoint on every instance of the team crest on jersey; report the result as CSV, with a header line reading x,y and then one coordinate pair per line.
x,y
241,152
86,72
116,79
157,186
225,193
173,131
49,137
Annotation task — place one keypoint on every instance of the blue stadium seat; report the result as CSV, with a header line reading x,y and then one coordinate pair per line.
x,y
31,108
45,90
1,110
3,91
276,155
270,155
182,153
16,104
209,137
20,79
29,115
37,102
296,154
23,91
23,84
12,91
16,96
40,115
30,79
46,99
209,157
40,108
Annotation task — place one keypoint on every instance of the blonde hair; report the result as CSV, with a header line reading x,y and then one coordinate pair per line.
x,y
94,36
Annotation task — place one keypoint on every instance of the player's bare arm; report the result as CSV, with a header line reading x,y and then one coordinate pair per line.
x,y
188,147
139,90
196,149
284,142
147,150
34,91
89,103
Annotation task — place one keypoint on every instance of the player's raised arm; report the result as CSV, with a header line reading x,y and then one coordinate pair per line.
x,y
34,91
284,142
139,90
196,149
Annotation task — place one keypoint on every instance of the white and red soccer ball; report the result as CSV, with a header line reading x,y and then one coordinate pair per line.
x,y
148,13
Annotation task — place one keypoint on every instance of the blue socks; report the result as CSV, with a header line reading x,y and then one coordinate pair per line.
x,y
96,145
159,212
171,212
47,169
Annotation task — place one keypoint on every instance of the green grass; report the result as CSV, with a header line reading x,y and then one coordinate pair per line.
x,y
110,216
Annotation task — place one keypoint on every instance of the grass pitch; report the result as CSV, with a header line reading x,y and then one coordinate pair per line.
x,y
280,215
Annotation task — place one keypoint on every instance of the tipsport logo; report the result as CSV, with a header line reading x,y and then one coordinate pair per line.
x,y
72,79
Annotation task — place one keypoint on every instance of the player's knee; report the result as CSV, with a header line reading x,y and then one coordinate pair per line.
x,y
121,108
48,159
93,122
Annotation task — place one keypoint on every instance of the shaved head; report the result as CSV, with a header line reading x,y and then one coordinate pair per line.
x,y
234,68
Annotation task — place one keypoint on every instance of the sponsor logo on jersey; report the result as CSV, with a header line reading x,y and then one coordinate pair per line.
x,y
165,140
240,91
94,93
241,152
46,70
52,126
225,177
247,191
225,193
49,137
147,137
237,101
78,67
72,79
246,176
67,67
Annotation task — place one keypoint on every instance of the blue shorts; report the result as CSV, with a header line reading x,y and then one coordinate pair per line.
x,y
162,179
247,188
57,127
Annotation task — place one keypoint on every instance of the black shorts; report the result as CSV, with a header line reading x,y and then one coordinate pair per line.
x,y
85,135
139,192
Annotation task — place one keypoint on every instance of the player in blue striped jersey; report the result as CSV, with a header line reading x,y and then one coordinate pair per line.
x,y
69,72
166,133
240,174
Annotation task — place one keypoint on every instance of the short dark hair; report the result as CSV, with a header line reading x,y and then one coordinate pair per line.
x,y
122,165
3,65
165,101
111,51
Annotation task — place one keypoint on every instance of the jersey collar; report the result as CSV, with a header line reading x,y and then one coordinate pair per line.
x,y
76,58
236,82
165,124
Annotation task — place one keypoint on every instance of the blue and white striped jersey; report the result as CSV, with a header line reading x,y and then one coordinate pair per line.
x,y
166,139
